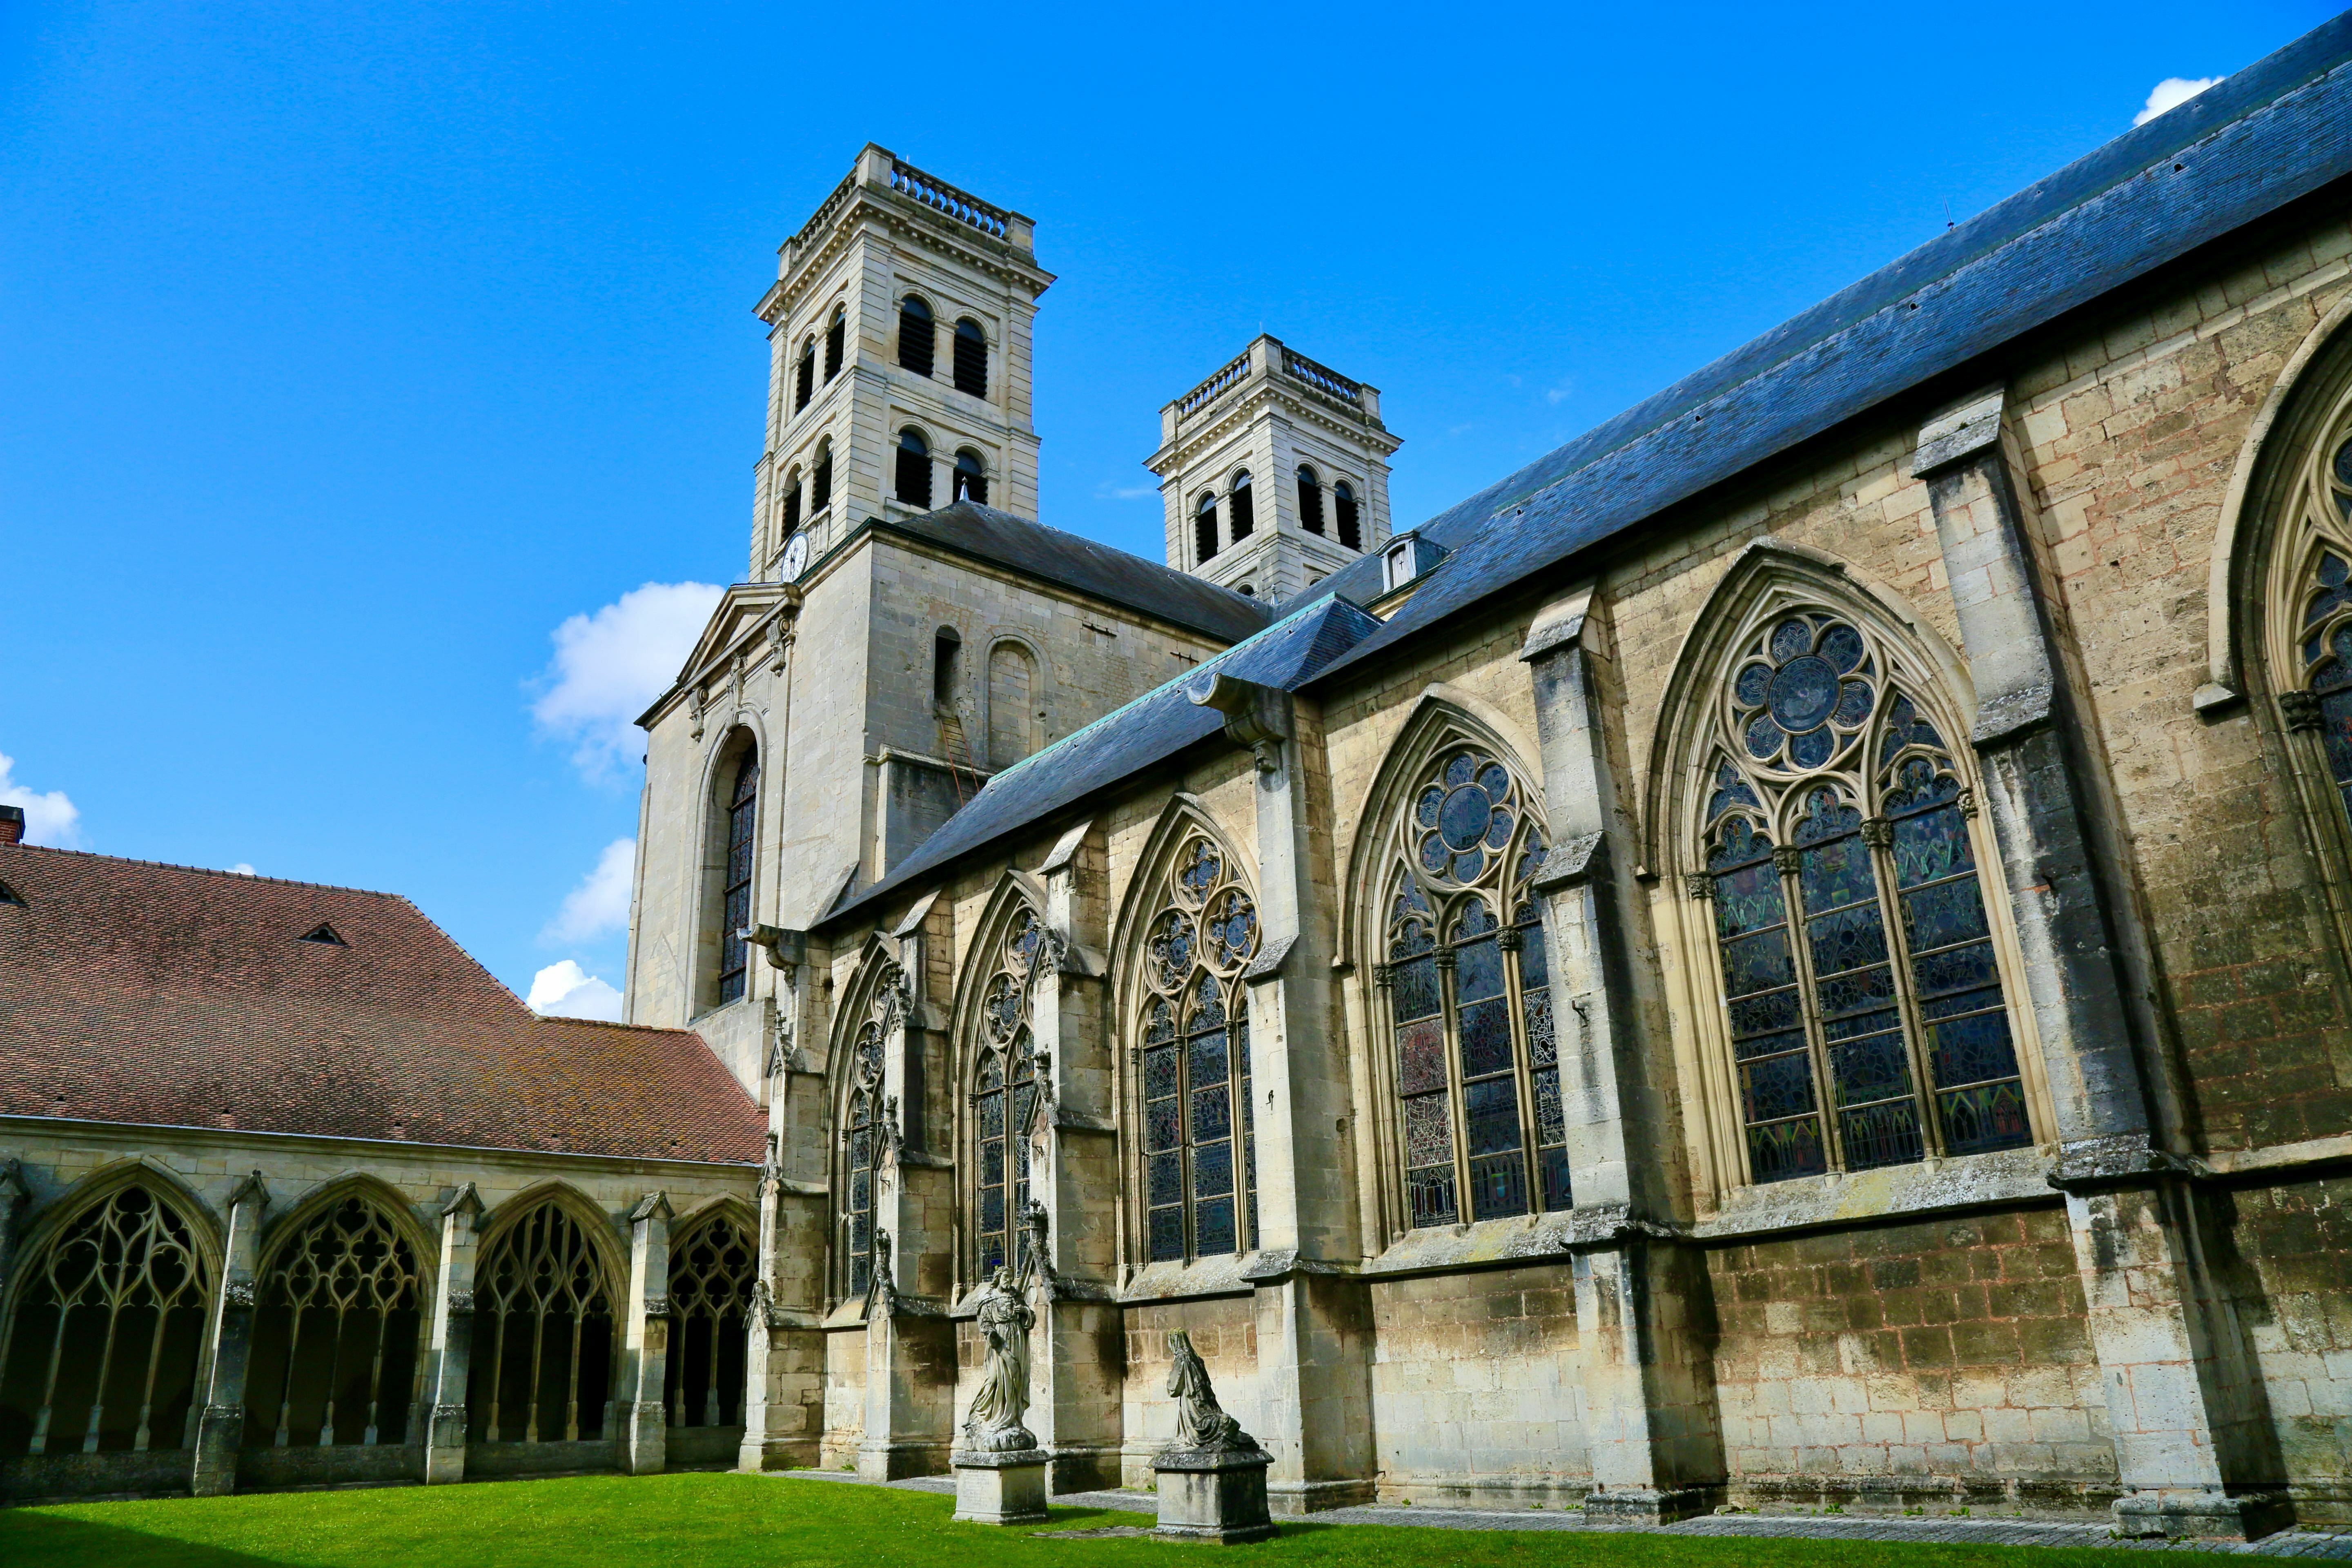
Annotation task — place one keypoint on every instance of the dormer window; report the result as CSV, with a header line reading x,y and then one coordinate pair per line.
x,y
323,934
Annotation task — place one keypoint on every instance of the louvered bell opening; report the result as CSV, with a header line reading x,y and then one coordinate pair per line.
x,y
791,511
970,359
914,477
821,484
832,337
807,381
970,484
1351,534
916,350
1204,533
1310,503
1244,512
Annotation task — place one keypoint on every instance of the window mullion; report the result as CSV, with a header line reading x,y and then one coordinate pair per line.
x,y
1786,859
1877,833
1457,1098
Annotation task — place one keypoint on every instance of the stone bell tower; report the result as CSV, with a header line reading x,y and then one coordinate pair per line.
x,y
898,362
1274,472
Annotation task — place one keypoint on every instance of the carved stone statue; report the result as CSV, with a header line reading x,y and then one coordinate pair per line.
x,y
1201,1425
992,1425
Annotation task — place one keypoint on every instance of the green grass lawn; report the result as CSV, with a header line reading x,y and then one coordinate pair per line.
x,y
755,1522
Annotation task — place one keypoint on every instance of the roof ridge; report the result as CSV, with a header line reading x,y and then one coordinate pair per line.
x,y
214,872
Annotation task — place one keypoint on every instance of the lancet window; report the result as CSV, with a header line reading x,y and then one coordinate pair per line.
x,y
711,1271
1004,1099
101,1352
735,890
862,1139
1200,1141
2311,663
1861,987
1482,1125
335,1335
543,1338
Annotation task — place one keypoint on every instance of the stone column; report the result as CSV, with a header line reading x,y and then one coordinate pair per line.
x,y
1313,1323
783,1364
1642,1294
1077,1353
909,1342
449,1350
645,1341
2188,1409
228,1345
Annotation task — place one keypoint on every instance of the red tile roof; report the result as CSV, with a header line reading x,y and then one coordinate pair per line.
x,y
144,992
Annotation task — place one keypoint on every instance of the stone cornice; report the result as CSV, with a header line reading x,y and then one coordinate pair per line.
x,y
906,218
373,1149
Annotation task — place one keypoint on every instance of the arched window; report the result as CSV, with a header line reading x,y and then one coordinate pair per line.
x,y
914,477
970,478
543,1338
711,1270
835,336
947,666
735,886
1012,704
1247,590
1199,1144
105,1333
862,1137
971,358
917,339
1477,1060
1343,513
804,380
821,480
1004,1100
1204,529
1311,501
790,522
2307,613
1859,976
1245,507
334,1338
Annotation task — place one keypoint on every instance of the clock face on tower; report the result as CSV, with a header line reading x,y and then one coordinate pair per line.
x,y
796,557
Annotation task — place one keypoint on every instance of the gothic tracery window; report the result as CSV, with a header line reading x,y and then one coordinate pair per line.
x,y
711,1271
103,1342
334,1338
862,1135
1200,1144
1482,1125
1004,1099
735,890
2314,609
543,1338
1859,973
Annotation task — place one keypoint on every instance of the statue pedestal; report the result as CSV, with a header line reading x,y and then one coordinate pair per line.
x,y
1214,1494
1005,1489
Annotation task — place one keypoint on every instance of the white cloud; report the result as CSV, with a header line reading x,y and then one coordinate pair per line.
x,y
1562,393
599,906
49,819
2171,93
1108,491
243,868
610,666
565,990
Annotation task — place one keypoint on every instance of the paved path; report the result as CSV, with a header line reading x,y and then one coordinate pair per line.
x,y
1812,1526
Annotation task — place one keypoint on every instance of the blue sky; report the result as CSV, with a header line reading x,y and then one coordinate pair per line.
x,y
347,352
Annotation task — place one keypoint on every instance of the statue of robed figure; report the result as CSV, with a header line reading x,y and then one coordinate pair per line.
x,y
1201,1425
993,1424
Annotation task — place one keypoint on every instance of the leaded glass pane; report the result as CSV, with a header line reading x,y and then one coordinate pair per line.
x,y
1165,1178
1757,963
1973,1047
992,1208
1778,1086
1748,899
1989,1116
1552,1165
1543,1045
1420,1057
1943,914
1884,1135
1836,874
1213,1170
1212,1227
1213,1113
1786,1149
1478,970
991,1115
1491,1121
1414,985
1931,846
1160,1129
1428,1131
1159,1072
1207,1063
1551,1117
1498,1187
1871,1068
1430,1195
1167,1234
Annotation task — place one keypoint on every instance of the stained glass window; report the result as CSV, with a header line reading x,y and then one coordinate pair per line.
x,y
1483,1127
1858,967
1200,1148
862,1131
1004,1101
735,899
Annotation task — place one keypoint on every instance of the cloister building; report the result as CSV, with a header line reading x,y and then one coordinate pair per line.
x,y
1796,949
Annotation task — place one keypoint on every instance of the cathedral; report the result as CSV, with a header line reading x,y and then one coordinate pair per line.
x,y
1796,952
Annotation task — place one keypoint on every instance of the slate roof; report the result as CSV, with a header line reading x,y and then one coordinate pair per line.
x,y
166,996
1125,742
1033,549
2274,131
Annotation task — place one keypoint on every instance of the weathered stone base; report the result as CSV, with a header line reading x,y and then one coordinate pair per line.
x,y
1645,1506
1213,1496
1000,1489
1295,1500
2202,1515
897,1461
